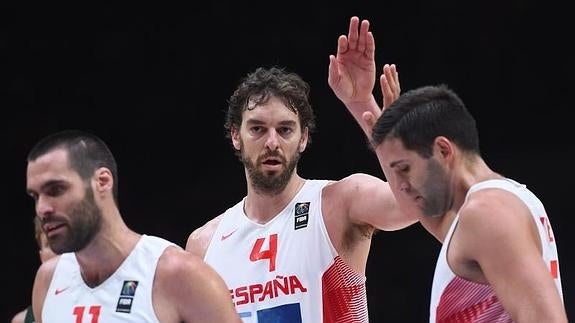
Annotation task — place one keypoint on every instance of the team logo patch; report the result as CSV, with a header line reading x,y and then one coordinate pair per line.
x,y
301,215
127,296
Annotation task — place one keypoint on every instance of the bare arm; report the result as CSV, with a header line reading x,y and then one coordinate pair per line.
x,y
366,199
352,75
352,72
186,289
497,232
41,285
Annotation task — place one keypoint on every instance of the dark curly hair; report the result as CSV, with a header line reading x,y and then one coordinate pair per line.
x,y
264,83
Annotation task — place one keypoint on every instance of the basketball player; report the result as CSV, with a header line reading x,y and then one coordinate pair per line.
x,y
499,261
106,272
293,249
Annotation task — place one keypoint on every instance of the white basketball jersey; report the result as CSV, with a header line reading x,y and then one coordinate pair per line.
x,y
126,296
286,270
454,299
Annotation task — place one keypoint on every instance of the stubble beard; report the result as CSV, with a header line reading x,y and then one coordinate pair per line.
x,y
270,183
437,191
84,224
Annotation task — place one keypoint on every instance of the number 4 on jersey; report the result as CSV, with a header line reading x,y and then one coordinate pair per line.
x,y
259,254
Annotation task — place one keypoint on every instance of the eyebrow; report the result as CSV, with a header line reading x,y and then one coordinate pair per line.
x,y
288,123
395,163
46,185
282,123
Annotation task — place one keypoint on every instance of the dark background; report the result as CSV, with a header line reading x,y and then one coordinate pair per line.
x,y
153,82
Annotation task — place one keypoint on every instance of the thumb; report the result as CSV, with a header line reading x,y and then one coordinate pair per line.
x,y
368,119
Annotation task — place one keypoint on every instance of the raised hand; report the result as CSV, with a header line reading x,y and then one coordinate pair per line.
x,y
352,75
352,69
389,82
390,89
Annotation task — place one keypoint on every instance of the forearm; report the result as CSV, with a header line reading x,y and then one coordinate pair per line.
x,y
359,108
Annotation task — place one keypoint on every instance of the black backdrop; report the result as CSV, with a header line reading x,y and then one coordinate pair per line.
x,y
153,82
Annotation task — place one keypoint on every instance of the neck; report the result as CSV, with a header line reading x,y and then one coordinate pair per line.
x,y
108,249
261,207
438,226
470,171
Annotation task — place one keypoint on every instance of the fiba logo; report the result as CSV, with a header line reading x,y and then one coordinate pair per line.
x,y
301,214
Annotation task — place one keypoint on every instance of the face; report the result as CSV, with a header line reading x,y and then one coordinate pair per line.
x,y
420,185
270,142
64,202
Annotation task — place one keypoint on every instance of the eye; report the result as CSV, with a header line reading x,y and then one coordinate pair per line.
x,y
256,129
285,131
34,196
403,168
55,190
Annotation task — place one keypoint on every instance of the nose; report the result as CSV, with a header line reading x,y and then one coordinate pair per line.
x,y
43,207
403,186
272,142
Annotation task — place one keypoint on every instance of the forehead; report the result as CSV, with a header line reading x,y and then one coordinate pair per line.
x,y
51,166
272,111
392,152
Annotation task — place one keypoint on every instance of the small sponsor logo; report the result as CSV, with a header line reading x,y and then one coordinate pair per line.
x,y
127,296
124,304
301,215
60,290
225,236
129,288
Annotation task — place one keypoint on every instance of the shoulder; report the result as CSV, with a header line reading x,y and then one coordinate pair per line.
x,y
354,183
366,201
358,190
200,238
175,263
46,271
492,206
187,289
19,318
42,282
494,215
175,260
180,284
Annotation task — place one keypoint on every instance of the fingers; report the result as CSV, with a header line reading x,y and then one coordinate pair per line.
x,y
369,119
385,91
370,47
333,72
358,38
342,44
352,34
393,76
363,36
389,82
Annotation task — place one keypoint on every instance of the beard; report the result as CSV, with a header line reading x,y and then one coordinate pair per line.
x,y
436,189
270,183
85,221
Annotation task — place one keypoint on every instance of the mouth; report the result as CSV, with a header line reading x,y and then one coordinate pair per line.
x,y
272,163
52,229
419,201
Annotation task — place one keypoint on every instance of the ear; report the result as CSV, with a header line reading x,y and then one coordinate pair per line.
x,y
303,140
103,180
235,134
443,148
